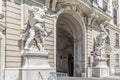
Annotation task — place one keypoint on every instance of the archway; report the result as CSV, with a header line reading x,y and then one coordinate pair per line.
x,y
70,56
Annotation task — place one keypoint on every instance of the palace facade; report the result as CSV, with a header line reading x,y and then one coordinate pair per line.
x,y
70,45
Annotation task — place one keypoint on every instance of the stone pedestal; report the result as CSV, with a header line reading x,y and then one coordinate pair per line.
x,y
36,66
101,69
36,60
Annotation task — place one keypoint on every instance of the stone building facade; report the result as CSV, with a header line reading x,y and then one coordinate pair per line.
x,y
73,39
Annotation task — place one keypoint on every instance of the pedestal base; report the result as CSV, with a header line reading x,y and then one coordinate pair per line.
x,y
36,60
36,66
101,69
36,74
100,72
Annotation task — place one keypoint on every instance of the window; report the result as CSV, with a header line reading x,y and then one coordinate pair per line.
x,y
105,6
96,1
51,1
108,38
115,16
117,40
108,61
117,60
90,1
18,1
108,31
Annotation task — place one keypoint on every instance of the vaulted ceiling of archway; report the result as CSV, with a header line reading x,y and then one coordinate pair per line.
x,y
64,34
68,30
69,24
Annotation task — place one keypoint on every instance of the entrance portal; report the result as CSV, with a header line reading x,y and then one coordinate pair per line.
x,y
65,52
70,45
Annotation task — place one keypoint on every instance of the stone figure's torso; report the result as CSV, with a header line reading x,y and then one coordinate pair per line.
x,y
39,15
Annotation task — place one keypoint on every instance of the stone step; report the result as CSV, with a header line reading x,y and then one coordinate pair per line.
x,y
93,78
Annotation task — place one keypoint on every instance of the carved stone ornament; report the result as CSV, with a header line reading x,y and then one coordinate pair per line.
x,y
66,3
92,18
34,32
115,4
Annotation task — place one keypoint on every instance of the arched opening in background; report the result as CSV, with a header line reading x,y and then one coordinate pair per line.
x,y
70,56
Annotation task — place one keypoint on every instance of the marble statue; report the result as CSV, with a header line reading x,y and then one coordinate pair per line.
x,y
101,69
35,28
101,41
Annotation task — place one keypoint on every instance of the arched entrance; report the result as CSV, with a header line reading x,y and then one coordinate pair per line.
x,y
70,56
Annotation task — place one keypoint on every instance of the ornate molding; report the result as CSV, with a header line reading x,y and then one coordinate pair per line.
x,y
105,23
92,18
66,3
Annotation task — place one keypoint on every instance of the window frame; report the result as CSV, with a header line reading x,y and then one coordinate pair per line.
x,y
117,58
115,14
117,40
108,38
105,5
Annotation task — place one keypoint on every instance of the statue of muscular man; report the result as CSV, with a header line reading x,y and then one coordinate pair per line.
x,y
36,21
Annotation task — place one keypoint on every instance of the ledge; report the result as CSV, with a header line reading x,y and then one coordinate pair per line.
x,y
37,54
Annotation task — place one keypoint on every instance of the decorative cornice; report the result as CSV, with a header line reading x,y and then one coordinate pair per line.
x,y
105,23
73,4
